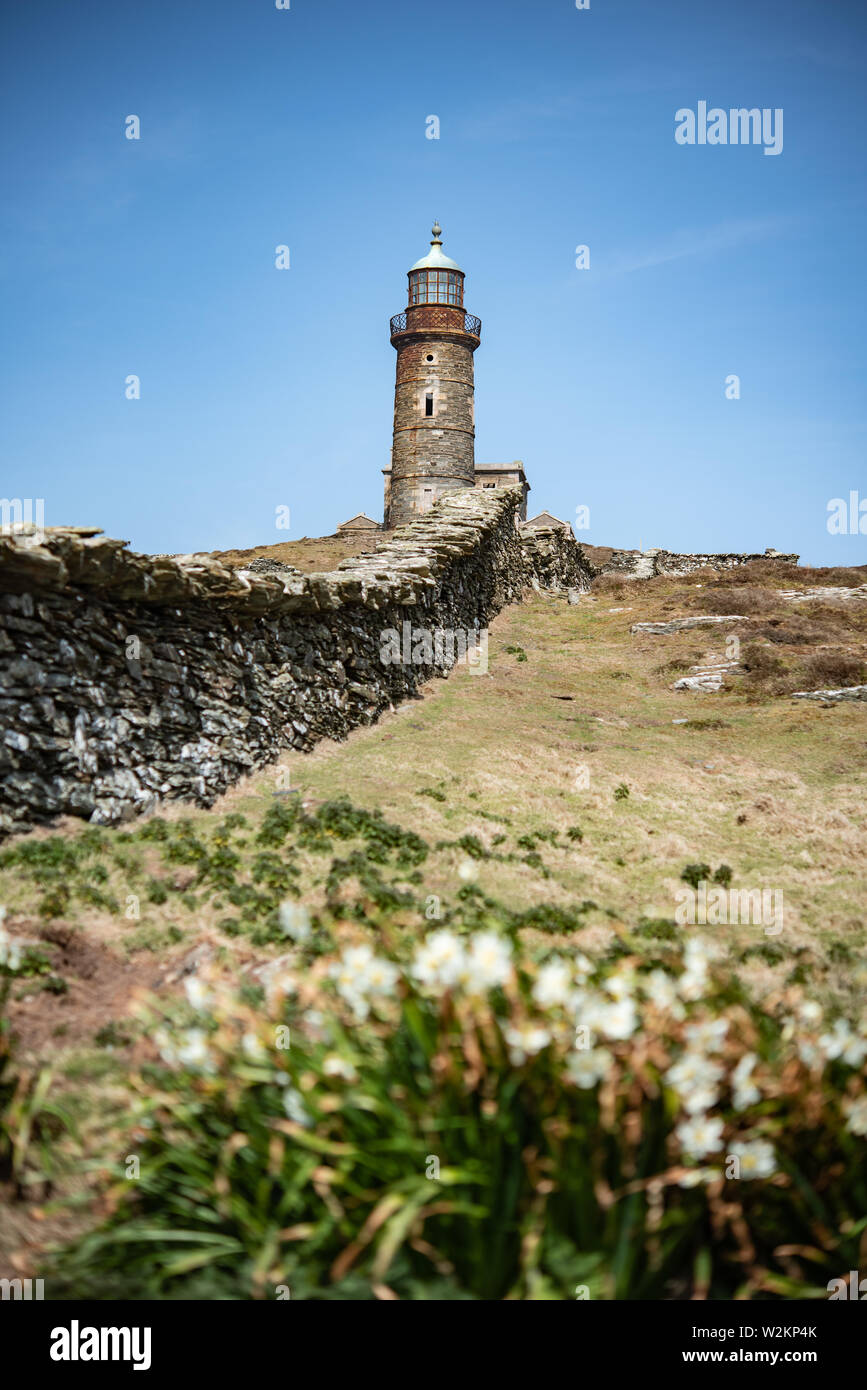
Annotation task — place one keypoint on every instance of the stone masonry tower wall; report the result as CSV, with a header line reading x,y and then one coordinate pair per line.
x,y
434,426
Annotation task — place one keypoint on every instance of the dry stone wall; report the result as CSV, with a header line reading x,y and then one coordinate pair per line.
x,y
636,564
127,680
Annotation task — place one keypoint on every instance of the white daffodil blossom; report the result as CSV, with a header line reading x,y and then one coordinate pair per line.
x,y
194,1052
359,974
810,1012
621,985
553,983
586,1067
616,1021
578,1003
488,962
696,1176
295,921
809,1053
696,1079
317,1025
700,1135
252,1048
197,992
293,1104
856,1109
10,950
338,1066
842,1042
745,1092
166,1047
756,1158
583,968
440,960
525,1041
708,1035
661,989
698,954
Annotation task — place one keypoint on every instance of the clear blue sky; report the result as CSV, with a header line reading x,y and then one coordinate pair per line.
x,y
264,388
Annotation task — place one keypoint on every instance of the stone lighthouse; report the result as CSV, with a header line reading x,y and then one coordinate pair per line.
x,y
434,426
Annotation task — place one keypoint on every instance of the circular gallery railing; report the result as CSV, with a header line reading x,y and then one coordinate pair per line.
x,y
424,317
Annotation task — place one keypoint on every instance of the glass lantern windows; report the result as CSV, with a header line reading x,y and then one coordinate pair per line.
x,y
436,287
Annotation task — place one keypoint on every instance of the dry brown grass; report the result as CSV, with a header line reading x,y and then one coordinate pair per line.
x,y
833,669
743,599
307,554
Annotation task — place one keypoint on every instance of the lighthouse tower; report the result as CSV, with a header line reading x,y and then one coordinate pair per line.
x,y
434,428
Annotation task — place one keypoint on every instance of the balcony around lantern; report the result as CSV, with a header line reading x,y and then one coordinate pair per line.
x,y
426,318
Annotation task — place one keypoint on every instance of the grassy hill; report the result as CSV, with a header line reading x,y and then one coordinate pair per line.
x,y
564,797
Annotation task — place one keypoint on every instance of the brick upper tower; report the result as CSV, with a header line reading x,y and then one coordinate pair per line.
x,y
434,422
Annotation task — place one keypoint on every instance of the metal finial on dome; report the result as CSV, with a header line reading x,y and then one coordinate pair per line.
x,y
435,259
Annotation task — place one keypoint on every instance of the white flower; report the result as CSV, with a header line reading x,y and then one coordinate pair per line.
x,y
616,1020
488,963
440,960
842,1042
552,983
293,1104
194,1053
381,976
338,1066
252,1048
695,1079
317,1025
583,968
809,1053
745,1092
701,1135
525,1041
661,990
700,950
578,1003
621,985
693,983
166,1047
756,1158
277,980
709,1035
198,994
855,1051
696,1176
295,921
585,1068
360,973
857,1112
468,870
810,1011
697,955
10,951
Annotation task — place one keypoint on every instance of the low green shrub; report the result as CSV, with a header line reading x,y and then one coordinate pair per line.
x,y
463,1118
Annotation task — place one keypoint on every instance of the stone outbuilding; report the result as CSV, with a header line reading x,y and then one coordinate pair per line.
x,y
544,521
360,522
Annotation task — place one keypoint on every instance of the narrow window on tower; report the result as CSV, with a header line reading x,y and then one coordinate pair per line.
x,y
428,403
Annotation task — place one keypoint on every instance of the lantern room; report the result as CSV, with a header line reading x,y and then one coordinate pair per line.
x,y
436,279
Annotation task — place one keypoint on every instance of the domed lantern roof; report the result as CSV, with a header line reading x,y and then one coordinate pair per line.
x,y
435,260
436,279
